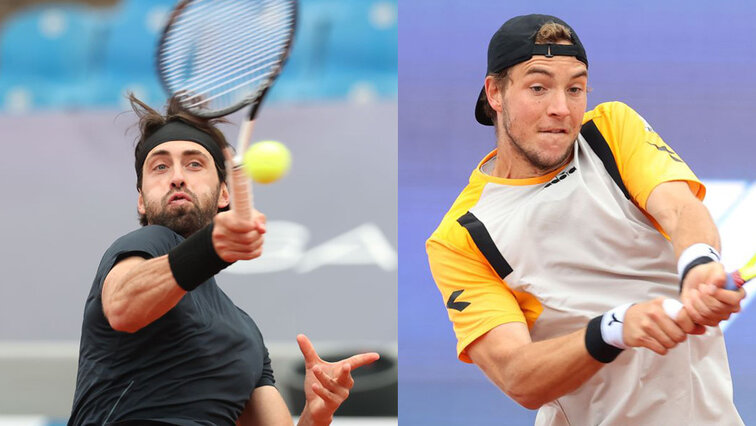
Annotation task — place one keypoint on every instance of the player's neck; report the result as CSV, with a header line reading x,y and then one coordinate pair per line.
x,y
512,164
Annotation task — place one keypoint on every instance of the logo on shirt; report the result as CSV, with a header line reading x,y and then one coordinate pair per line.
x,y
453,304
560,177
664,148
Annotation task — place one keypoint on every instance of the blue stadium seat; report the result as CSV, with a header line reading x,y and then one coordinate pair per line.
x,y
47,54
80,57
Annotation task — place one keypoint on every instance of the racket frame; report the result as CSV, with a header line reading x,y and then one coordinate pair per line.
x,y
239,183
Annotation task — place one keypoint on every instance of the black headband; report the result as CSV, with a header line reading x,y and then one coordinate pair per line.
x,y
180,131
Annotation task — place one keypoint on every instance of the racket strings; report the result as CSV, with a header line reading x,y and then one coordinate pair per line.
x,y
207,98
264,58
236,40
218,53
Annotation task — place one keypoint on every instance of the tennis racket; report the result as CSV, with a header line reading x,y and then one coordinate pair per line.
x,y
735,280
218,56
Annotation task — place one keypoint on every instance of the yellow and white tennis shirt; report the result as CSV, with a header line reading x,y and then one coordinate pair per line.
x,y
557,250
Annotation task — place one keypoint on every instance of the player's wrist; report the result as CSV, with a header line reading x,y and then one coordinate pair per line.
x,y
604,334
306,418
695,255
195,260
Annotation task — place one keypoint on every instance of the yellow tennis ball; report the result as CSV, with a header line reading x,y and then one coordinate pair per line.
x,y
267,161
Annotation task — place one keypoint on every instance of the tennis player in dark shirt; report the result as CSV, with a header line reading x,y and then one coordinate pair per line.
x,y
161,343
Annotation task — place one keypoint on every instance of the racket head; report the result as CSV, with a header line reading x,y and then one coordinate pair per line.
x,y
218,56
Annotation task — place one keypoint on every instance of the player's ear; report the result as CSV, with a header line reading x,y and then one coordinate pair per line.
x,y
494,94
140,204
223,198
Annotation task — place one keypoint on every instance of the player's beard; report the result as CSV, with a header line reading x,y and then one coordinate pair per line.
x,y
533,156
185,219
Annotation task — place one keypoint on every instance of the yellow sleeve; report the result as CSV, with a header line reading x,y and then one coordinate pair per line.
x,y
644,160
477,299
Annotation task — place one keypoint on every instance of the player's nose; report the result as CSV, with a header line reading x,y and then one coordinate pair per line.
x,y
177,178
558,104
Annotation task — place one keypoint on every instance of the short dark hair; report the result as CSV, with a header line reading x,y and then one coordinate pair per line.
x,y
150,121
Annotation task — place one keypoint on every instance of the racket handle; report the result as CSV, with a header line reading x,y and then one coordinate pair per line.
x,y
241,193
239,186
734,281
672,307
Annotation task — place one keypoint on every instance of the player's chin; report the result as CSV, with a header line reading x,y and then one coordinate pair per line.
x,y
554,150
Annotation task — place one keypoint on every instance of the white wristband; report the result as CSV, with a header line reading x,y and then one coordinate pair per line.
x,y
612,324
694,252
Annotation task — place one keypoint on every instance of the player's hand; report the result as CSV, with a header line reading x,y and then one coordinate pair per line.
x,y
326,384
647,325
235,238
705,299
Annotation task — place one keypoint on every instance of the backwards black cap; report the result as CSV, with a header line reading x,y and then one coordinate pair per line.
x,y
514,42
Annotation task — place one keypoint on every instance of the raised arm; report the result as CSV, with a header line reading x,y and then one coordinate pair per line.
x,y
137,291
696,243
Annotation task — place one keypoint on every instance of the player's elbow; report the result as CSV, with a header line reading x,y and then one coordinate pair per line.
x,y
526,401
119,319
124,326
523,396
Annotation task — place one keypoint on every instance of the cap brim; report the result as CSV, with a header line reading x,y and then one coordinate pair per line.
x,y
480,114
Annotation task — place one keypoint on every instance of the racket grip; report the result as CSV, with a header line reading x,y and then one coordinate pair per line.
x,y
241,192
733,283
672,307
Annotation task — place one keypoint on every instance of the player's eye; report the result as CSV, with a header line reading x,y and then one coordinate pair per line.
x,y
537,89
195,164
160,167
575,90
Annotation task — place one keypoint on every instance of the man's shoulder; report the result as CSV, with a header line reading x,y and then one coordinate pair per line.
x,y
450,231
616,115
154,240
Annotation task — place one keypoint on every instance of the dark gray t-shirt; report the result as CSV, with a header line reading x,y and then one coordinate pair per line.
x,y
195,365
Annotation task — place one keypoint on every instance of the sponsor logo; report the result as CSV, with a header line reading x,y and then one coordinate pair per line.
x,y
453,304
664,148
561,176
613,320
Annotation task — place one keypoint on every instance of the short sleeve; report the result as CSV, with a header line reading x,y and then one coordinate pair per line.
x,y
644,160
147,242
477,300
266,378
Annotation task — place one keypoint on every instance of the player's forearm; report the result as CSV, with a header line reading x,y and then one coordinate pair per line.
x,y
142,295
693,225
540,372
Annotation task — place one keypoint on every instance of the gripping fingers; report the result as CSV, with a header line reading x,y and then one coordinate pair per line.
x,y
707,315
654,331
671,330
730,298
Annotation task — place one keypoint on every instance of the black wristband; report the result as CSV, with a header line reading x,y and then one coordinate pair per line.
x,y
195,261
597,347
693,263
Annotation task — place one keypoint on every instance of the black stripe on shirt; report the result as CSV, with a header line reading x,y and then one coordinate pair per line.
x,y
599,145
485,244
